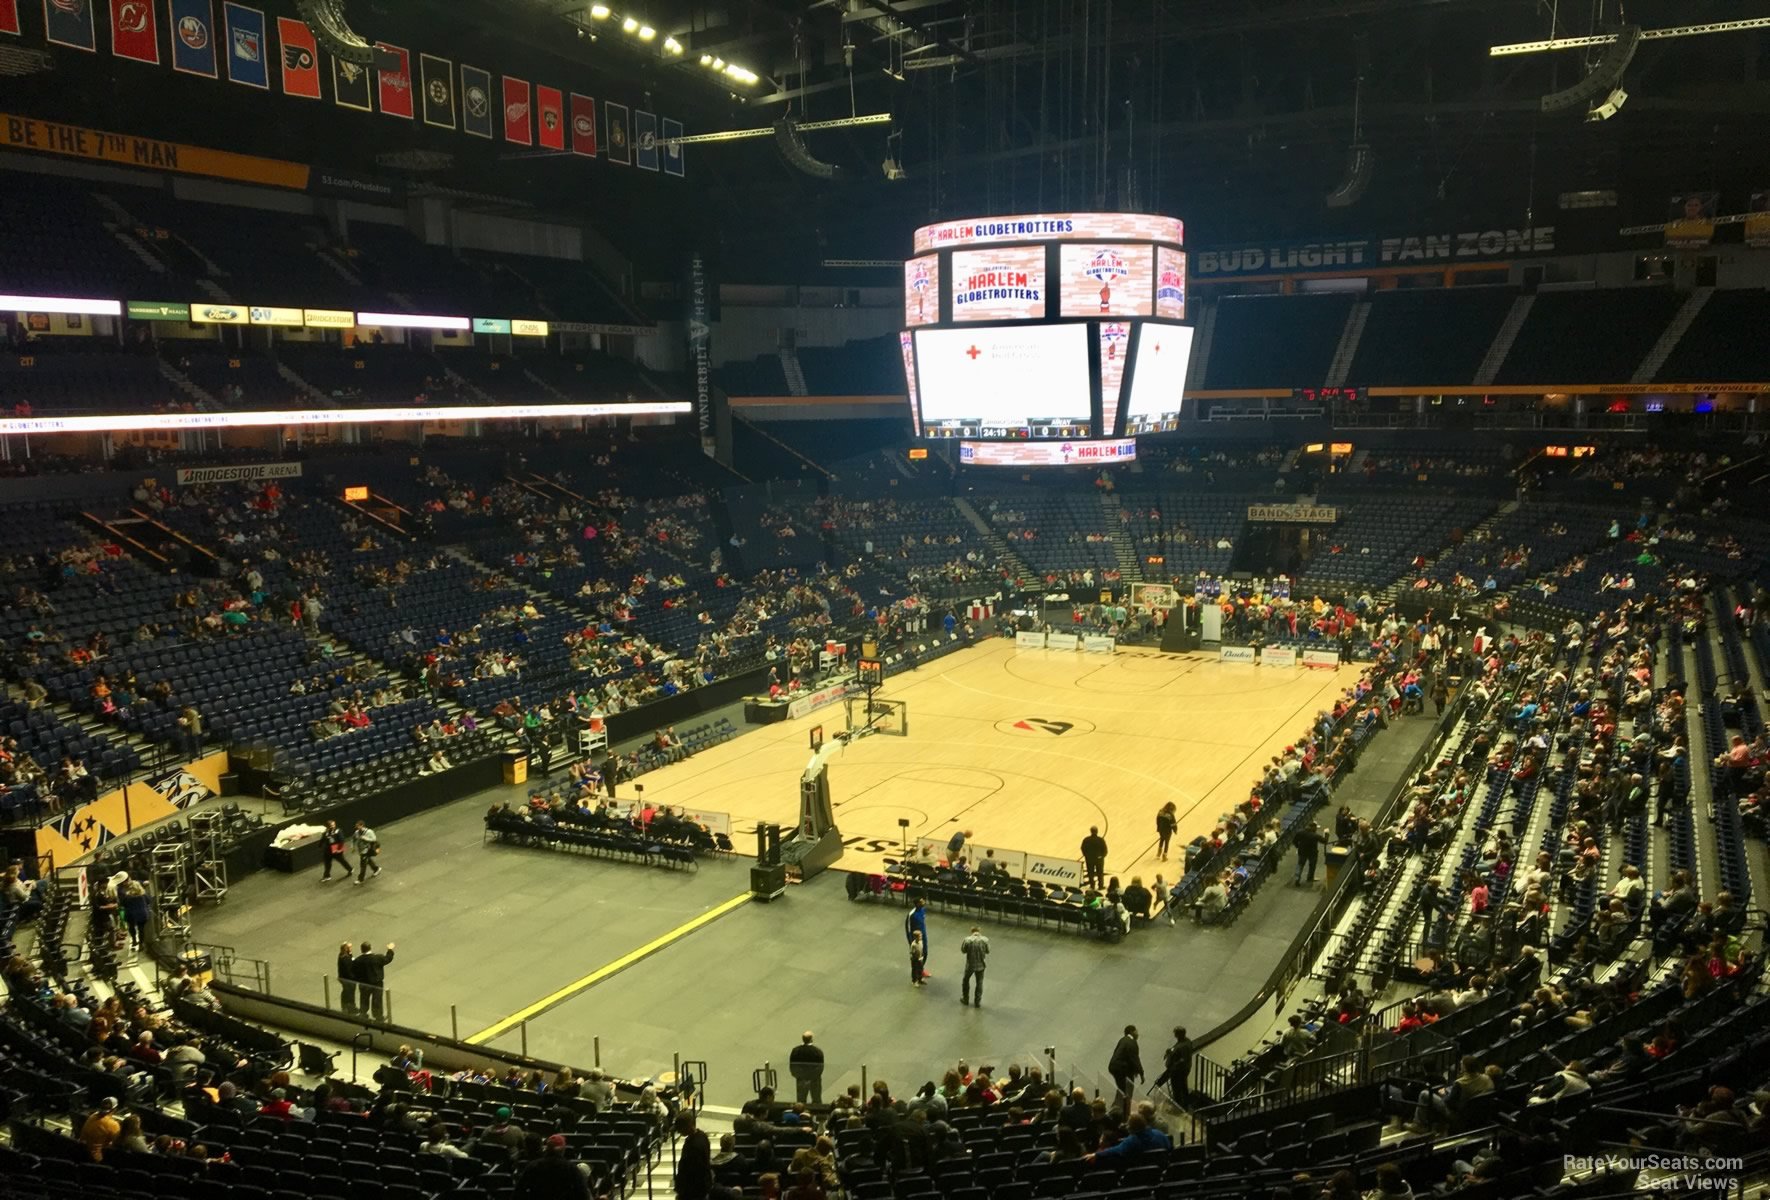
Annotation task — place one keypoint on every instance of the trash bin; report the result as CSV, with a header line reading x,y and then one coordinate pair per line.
x,y
516,766
1336,858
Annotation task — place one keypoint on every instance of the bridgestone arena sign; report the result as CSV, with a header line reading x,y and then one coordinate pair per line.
x,y
250,473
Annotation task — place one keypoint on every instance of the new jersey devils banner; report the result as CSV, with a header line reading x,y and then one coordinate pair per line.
x,y
9,17
301,59
135,31
516,111
395,89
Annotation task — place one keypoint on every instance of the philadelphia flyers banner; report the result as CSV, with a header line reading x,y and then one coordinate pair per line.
x,y
135,31
300,59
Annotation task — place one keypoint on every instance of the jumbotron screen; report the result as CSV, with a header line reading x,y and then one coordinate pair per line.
x,y
1028,326
1159,362
1004,380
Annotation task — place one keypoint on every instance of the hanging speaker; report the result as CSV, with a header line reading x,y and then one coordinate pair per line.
x,y
331,30
786,136
1359,164
1602,79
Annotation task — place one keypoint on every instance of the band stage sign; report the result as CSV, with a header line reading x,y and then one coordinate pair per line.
x,y
1294,514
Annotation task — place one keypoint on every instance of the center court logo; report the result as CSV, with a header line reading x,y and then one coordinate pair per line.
x,y
1044,727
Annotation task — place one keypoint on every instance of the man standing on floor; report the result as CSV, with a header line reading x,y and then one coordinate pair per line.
x,y
1094,858
346,979
1177,1068
368,849
806,1063
371,977
1309,836
1126,1065
335,851
975,947
916,921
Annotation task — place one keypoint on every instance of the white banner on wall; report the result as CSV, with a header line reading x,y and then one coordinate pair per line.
x,y
812,701
716,822
1029,641
1098,643
1067,871
1321,658
1237,654
1278,656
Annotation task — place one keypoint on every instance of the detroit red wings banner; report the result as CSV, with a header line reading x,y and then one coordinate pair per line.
x,y
550,117
135,31
516,111
396,86
9,17
301,59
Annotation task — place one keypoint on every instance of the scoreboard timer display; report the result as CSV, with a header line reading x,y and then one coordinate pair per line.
x,y
1048,327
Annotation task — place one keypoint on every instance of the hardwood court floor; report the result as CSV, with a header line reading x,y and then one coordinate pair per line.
x,y
1026,749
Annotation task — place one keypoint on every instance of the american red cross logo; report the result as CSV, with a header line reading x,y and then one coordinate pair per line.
x,y
973,353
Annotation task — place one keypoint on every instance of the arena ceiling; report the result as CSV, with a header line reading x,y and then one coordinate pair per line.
x,y
1238,115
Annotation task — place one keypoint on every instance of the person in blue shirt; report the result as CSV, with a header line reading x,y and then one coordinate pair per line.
x,y
1140,1139
917,922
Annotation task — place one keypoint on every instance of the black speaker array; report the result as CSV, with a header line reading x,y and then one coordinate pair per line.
x,y
1602,79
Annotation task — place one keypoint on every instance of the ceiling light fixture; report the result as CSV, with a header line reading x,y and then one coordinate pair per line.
x,y
647,33
599,11
630,25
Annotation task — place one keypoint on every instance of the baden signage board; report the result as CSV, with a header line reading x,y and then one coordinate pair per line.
x,y
1067,871
1237,654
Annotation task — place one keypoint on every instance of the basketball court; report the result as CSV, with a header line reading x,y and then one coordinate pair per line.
x,y
1026,749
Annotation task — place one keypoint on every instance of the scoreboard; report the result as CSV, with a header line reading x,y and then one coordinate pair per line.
x,y
1064,328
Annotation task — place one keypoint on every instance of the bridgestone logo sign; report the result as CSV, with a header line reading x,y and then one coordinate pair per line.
x,y
250,473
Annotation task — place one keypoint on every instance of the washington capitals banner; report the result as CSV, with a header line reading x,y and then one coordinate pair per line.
x,y
9,17
550,117
246,62
516,111
69,23
476,101
350,86
395,90
135,31
645,140
620,149
672,147
193,37
439,90
301,59
583,126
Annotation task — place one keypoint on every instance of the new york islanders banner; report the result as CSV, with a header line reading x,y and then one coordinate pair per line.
x,y
350,86
439,90
550,117
395,92
69,23
9,17
193,37
516,111
583,126
476,101
301,59
135,31
246,62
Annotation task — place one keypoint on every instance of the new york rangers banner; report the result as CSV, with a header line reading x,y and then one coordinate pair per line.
x,y
476,101
395,92
583,125
645,140
350,86
516,111
439,90
246,62
135,31
69,23
301,59
672,148
193,37
9,17
550,117
620,149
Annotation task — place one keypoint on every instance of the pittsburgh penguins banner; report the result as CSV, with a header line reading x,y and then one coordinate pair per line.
x,y
439,92
395,87
672,148
193,37
135,31
69,23
350,86
620,147
246,61
476,101
645,140
301,59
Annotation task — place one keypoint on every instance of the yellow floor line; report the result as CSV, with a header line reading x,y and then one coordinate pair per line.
x,y
603,972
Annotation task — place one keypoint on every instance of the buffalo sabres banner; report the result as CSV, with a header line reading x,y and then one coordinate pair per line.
x,y
69,23
300,59
350,86
135,31
395,96
645,140
439,92
246,59
476,101
193,37
9,17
